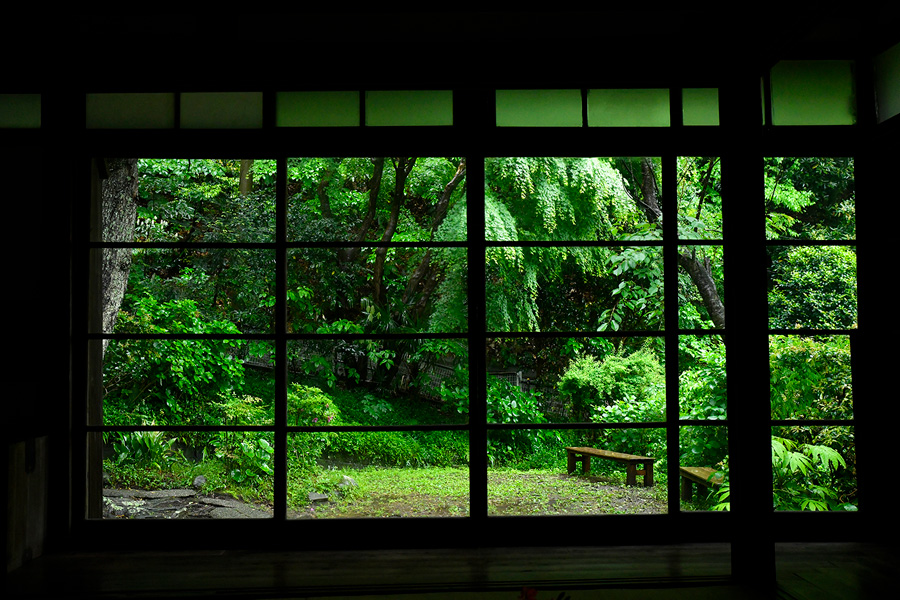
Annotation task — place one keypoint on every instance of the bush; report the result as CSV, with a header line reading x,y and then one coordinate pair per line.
x,y
810,377
805,477
507,403
643,441
813,286
308,406
170,381
589,382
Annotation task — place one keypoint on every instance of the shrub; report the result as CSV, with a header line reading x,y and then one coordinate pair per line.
x,y
168,380
810,377
308,406
813,286
589,383
143,449
805,476
507,403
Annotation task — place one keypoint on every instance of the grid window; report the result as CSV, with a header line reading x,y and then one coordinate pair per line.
x,y
298,331
812,296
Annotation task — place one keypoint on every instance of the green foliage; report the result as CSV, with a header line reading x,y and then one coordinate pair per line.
x,y
639,293
699,198
813,287
172,381
310,406
583,384
702,381
143,449
617,379
804,476
810,377
249,456
507,403
810,198
554,199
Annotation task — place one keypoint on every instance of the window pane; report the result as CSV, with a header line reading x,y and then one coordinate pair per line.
x,y
201,475
317,109
377,290
810,198
377,474
700,106
229,110
538,108
191,290
701,301
810,377
572,199
529,472
130,111
807,92
704,468
702,392
409,107
197,201
559,380
814,468
20,111
887,83
354,199
699,198
185,382
812,287
574,289
378,382
628,108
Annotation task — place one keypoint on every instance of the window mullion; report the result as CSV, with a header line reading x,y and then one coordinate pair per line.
x,y
478,505
670,277
280,480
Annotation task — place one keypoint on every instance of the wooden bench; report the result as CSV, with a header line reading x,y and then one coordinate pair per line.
x,y
575,454
701,476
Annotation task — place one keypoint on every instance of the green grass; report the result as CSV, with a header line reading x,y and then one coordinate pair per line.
x,y
433,492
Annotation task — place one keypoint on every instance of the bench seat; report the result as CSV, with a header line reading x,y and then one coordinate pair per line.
x,y
704,476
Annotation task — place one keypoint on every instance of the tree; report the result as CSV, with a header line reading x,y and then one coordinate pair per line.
x,y
118,195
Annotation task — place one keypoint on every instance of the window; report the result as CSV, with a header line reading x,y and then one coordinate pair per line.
x,y
812,299
346,335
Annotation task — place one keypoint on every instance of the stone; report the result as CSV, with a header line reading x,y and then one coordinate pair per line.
x,y
317,497
199,481
347,481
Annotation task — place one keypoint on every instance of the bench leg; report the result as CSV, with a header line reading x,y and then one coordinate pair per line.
x,y
648,475
631,474
572,460
687,489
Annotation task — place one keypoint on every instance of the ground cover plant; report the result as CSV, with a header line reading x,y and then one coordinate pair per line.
x,y
192,314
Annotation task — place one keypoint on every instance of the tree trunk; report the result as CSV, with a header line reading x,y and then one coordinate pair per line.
x,y
119,211
422,271
650,202
700,275
374,187
245,185
403,167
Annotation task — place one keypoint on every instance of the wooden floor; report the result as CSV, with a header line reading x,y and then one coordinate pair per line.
x,y
698,572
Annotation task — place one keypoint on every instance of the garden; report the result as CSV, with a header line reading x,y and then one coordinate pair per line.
x,y
357,329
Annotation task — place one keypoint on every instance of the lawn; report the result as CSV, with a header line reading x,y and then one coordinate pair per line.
x,y
443,492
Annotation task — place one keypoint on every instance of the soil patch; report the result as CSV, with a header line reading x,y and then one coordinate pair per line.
x,y
510,493
177,504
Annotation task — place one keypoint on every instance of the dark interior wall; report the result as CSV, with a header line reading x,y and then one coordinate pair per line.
x,y
481,50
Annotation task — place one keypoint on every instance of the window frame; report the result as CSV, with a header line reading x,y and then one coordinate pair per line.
x,y
739,140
